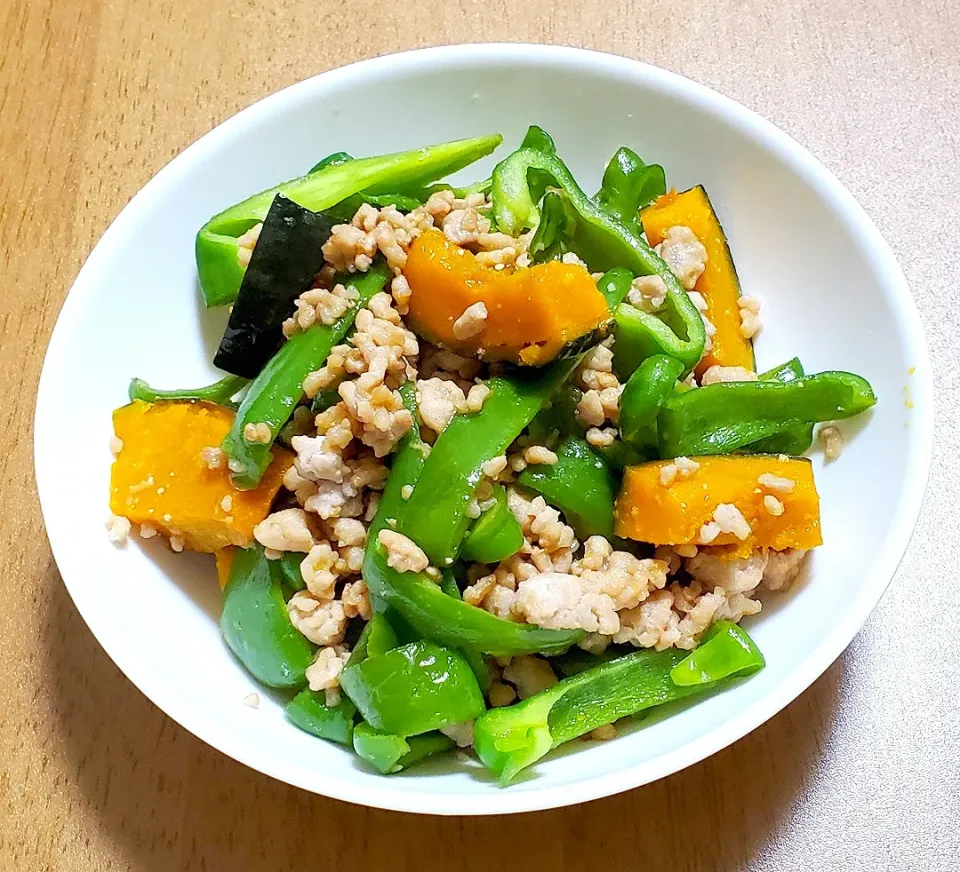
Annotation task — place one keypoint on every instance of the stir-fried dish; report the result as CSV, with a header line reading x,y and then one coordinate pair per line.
x,y
493,466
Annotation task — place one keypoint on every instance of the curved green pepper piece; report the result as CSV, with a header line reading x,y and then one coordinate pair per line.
x,y
419,600
331,160
630,185
478,663
603,241
794,440
435,515
216,247
219,392
255,624
495,535
720,418
388,753
279,386
645,392
509,739
580,484
413,689
724,650
309,711
377,638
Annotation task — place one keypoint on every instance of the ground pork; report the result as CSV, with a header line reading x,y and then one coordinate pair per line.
x,y
286,530
323,622
718,374
461,733
782,568
750,323
647,293
320,305
529,674
684,254
832,441
403,554
324,672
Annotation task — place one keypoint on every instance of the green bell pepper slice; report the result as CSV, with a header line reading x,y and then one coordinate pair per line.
x,y
309,711
724,650
495,535
720,418
419,600
377,638
795,440
221,392
630,185
278,388
603,241
580,484
388,753
478,663
509,739
291,578
219,270
413,689
650,386
256,626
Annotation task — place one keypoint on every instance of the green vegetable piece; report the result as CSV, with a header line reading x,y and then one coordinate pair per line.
x,y
291,578
725,650
794,440
630,185
509,739
645,392
537,138
377,638
219,392
413,689
580,484
603,241
331,160
550,239
309,711
278,388
478,663
435,515
495,535
389,754
720,418
419,600
255,624
216,248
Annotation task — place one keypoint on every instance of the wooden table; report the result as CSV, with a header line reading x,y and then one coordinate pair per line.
x,y
860,773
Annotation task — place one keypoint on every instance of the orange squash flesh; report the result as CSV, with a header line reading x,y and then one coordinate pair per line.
x,y
224,558
533,313
649,511
159,478
719,284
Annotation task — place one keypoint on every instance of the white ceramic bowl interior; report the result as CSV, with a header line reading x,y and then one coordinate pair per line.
x,y
831,292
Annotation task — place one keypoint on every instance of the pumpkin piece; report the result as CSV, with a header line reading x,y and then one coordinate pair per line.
x,y
719,284
224,558
673,514
159,478
533,314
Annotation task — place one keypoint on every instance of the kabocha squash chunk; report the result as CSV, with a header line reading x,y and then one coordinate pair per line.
x,y
674,513
533,314
224,558
159,478
719,284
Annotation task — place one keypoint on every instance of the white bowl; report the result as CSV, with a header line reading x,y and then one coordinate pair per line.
x,y
832,293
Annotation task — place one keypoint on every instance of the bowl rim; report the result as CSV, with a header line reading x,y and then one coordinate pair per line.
x,y
531,798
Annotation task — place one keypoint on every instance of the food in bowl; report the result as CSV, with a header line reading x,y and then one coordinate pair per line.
x,y
493,465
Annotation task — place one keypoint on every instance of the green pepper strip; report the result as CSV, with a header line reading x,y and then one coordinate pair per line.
x,y
309,711
495,535
256,626
419,600
603,242
219,270
509,739
724,650
388,753
219,392
644,394
478,663
630,185
413,689
720,418
580,484
377,638
279,387
793,441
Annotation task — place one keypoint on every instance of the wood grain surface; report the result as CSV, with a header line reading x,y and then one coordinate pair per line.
x,y
860,773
